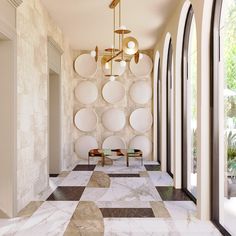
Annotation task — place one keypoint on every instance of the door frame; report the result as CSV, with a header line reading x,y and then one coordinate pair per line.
x,y
214,105
185,51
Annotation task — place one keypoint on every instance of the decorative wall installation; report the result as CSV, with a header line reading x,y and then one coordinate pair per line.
x,y
114,142
86,120
142,143
141,92
117,69
143,68
84,144
141,120
118,120
85,65
113,92
113,119
86,92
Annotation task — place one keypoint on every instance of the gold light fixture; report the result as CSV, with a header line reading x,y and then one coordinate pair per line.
x,y
128,46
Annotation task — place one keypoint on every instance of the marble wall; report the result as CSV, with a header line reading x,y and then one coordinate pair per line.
x,y
34,26
100,106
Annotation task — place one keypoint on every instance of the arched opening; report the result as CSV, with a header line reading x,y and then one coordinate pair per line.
x,y
169,111
189,107
157,109
224,116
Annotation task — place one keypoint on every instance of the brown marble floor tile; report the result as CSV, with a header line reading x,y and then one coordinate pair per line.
x,y
84,168
160,210
127,212
3,215
65,193
87,220
30,209
64,174
143,174
153,167
99,179
124,175
169,193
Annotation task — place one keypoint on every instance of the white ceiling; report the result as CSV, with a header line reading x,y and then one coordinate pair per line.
x,y
87,23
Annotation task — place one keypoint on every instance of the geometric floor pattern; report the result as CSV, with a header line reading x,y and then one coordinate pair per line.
x,y
112,200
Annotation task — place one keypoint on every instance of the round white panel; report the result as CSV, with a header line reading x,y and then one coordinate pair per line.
x,y
85,65
141,120
141,92
86,120
86,92
142,143
113,142
113,119
84,144
117,69
143,68
113,92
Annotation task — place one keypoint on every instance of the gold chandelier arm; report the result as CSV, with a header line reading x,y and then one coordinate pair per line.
x,y
115,56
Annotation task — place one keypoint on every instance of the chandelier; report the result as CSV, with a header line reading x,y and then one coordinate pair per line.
x,y
128,46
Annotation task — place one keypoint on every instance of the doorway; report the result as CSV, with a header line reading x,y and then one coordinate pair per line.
x,y
7,125
189,110
54,124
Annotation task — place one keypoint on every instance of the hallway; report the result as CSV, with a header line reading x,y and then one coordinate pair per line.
x,y
110,200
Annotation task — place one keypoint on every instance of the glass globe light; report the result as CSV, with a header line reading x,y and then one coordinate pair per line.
x,y
123,63
107,65
140,56
93,54
131,45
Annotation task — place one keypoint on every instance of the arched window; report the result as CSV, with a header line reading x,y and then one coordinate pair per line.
x,y
189,81
224,116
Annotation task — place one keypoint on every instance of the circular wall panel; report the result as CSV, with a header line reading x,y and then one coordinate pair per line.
x,y
113,92
84,144
114,142
143,68
141,120
142,143
85,65
113,119
141,92
117,69
86,92
86,120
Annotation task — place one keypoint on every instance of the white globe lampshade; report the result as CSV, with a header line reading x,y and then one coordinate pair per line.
x,y
112,78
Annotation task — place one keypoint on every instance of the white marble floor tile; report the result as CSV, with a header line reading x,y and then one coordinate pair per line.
x,y
124,189
77,178
159,178
138,226
196,227
181,210
123,204
122,168
51,219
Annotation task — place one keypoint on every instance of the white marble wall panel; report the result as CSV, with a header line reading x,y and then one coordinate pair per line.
x,y
34,26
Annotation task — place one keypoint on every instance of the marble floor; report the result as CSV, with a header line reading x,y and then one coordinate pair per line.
x,y
112,200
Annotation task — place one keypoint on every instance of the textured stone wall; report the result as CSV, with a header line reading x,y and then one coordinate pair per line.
x,y
100,105
34,26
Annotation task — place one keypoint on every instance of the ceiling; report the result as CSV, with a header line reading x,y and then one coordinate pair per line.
x,y
87,23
